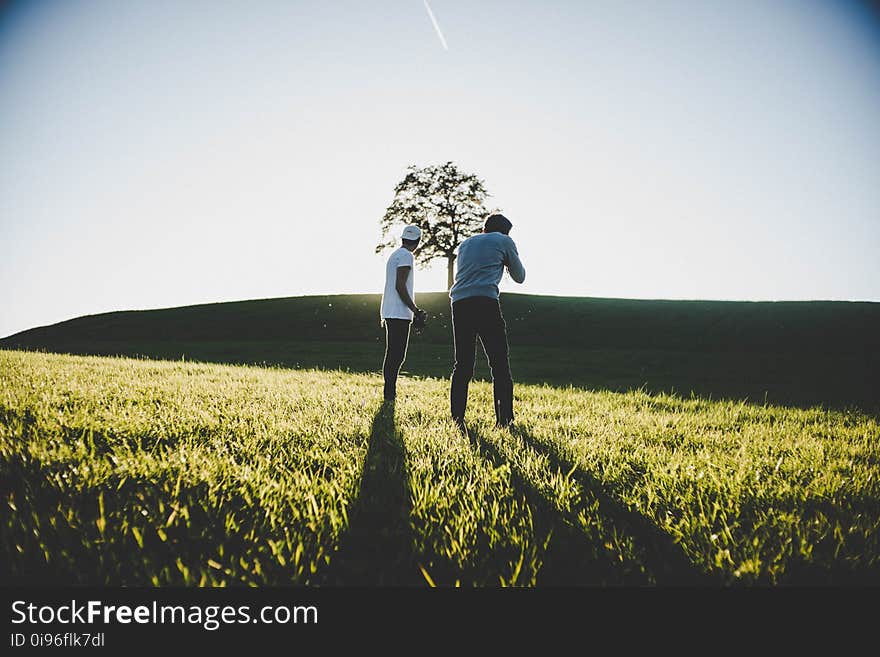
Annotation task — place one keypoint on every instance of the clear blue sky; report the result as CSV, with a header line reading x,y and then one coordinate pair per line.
x,y
164,153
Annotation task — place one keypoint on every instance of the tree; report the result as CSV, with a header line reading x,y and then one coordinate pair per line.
x,y
446,203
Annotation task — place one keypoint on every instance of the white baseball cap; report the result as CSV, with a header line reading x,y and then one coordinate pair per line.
x,y
412,233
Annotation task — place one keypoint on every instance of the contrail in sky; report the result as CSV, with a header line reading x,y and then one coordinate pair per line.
x,y
436,26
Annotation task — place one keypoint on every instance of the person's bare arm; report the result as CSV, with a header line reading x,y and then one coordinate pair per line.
x,y
400,286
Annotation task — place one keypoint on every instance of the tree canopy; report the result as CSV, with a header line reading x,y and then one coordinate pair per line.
x,y
445,202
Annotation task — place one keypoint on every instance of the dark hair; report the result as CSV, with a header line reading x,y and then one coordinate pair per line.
x,y
497,223
407,242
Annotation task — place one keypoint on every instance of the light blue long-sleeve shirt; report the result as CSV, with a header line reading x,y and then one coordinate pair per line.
x,y
481,261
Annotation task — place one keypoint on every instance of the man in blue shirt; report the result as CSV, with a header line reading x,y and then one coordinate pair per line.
x,y
476,312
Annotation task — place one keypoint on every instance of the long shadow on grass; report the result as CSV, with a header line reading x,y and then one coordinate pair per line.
x,y
572,557
662,556
377,549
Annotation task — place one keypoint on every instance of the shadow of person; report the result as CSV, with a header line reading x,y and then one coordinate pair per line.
x,y
569,556
664,557
377,549
584,555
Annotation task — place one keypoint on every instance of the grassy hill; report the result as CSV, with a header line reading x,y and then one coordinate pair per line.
x,y
798,353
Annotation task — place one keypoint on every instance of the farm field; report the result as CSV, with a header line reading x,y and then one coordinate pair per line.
x,y
132,471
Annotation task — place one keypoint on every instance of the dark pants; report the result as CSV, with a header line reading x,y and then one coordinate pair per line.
x,y
396,340
472,318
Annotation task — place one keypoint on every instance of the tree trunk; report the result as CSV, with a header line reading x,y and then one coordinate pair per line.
x,y
450,260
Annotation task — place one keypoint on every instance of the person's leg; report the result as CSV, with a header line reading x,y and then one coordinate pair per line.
x,y
493,335
464,339
396,340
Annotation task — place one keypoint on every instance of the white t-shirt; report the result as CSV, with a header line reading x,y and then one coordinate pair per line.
x,y
392,305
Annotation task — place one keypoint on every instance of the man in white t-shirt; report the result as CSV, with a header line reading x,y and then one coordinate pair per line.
x,y
398,307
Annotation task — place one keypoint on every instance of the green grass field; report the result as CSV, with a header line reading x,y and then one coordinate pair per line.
x,y
126,471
